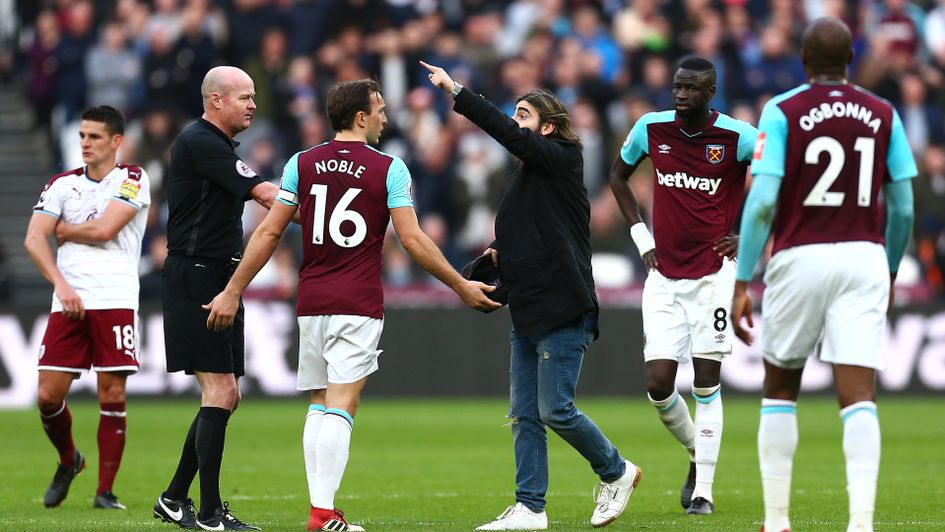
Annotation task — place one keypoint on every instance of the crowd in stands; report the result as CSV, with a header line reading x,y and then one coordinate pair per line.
x,y
611,61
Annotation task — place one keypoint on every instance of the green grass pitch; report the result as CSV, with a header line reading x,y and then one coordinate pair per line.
x,y
447,465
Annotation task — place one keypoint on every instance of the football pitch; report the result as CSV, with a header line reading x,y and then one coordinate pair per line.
x,y
444,464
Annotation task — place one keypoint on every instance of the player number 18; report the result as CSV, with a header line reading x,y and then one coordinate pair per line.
x,y
819,195
338,215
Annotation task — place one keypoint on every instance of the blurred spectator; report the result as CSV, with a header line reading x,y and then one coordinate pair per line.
x,y
610,60
159,67
929,226
151,264
779,68
477,190
112,70
934,31
641,26
593,36
249,19
43,66
922,120
76,41
268,69
195,52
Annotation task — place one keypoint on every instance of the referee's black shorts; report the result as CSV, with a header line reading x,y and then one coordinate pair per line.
x,y
188,283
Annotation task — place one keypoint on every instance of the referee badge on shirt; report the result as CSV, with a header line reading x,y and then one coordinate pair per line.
x,y
714,153
244,170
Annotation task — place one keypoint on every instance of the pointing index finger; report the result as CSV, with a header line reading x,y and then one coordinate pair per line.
x,y
429,67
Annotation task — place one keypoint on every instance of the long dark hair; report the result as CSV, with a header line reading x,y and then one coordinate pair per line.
x,y
551,110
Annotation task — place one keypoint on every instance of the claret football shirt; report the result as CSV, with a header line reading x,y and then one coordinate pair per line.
x,y
344,191
699,184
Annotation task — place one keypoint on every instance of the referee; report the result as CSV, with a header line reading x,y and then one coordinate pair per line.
x,y
206,188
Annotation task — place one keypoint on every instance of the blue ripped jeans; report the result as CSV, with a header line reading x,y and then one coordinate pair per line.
x,y
544,372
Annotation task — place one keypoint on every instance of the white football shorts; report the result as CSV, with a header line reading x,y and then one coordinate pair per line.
x,y
688,316
838,290
337,349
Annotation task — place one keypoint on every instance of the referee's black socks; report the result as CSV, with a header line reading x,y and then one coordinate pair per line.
x,y
186,467
210,437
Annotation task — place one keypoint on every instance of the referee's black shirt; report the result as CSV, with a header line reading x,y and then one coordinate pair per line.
x,y
206,187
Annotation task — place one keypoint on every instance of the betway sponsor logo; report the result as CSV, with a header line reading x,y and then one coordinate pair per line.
x,y
684,180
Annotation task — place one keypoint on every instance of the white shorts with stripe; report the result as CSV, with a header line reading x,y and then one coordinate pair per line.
x,y
838,291
337,349
688,316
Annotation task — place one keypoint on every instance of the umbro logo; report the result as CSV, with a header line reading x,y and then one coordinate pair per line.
x,y
719,338
664,148
835,94
344,151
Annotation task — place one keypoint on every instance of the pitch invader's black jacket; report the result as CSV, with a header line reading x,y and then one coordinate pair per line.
x,y
542,227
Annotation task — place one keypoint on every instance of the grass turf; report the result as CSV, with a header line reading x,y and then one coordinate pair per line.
x,y
447,465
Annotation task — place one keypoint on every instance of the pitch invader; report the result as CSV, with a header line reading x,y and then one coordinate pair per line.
x,y
98,214
700,157
826,149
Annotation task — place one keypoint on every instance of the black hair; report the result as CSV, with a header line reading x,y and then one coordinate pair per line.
x,y
108,115
696,64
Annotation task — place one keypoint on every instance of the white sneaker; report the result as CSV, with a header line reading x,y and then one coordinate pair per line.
x,y
518,517
612,497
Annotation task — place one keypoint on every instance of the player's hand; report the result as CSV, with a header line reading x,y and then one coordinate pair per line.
x,y
439,77
61,227
649,260
72,306
727,246
222,309
473,294
494,254
741,308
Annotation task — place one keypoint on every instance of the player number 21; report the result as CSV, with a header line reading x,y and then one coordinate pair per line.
x,y
819,195
338,215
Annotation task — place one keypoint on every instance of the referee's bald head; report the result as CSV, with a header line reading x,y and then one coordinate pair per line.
x,y
220,80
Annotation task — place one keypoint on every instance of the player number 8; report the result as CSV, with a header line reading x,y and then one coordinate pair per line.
x,y
719,316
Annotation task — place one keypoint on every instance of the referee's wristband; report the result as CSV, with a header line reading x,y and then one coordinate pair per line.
x,y
642,238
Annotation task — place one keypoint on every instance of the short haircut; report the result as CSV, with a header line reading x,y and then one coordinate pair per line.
x,y
346,99
108,115
696,64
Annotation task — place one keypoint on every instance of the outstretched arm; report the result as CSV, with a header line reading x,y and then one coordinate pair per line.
x,y
521,142
424,251
261,245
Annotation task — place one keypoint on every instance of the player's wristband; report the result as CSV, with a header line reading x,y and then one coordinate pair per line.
x,y
642,238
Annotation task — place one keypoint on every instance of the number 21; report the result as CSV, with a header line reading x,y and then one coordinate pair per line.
x,y
819,195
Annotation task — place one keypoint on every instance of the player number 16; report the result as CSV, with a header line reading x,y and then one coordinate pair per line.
x,y
338,215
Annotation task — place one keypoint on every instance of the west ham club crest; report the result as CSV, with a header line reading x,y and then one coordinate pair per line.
x,y
714,153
